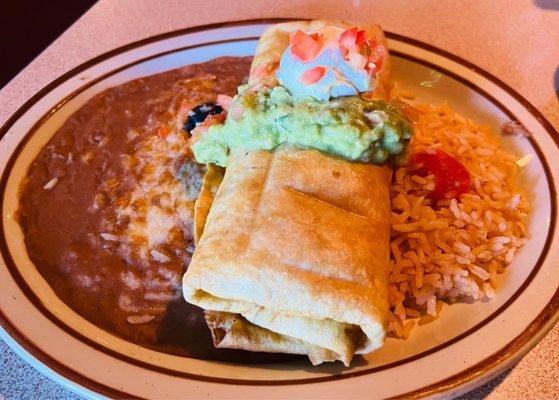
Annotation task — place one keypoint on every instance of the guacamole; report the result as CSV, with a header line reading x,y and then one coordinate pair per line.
x,y
349,127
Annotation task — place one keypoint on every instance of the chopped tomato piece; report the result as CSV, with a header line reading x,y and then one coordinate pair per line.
x,y
451,177
200,130
304,46
348,38
352,39
360,52
224,101
312,75
163,132
356,60
361,38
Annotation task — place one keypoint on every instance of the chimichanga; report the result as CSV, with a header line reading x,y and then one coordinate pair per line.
x,y
296,242
293,255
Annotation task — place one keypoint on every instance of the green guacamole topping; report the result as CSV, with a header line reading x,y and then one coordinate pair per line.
x,y
349,127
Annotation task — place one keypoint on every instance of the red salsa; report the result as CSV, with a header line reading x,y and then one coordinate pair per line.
x,y
451,177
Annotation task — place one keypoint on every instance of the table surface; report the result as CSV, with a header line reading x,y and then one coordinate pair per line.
x,y
517,41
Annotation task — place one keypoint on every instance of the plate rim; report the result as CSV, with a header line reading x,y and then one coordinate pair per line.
x,y
12,265
504,356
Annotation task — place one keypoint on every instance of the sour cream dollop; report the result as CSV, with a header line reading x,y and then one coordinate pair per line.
x,y
330,63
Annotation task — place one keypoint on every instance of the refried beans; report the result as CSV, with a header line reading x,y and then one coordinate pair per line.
x,y
107,209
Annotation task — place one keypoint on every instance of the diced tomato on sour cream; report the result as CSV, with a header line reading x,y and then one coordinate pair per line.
x,y
305,46
312,75
360,52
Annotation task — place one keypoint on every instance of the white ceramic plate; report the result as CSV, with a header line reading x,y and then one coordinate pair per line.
x,y
468,345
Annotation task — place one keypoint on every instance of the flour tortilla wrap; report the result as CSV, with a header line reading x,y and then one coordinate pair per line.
x,y
232,331
296,242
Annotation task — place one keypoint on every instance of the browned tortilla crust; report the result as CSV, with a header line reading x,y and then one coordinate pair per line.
x,y
297,242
